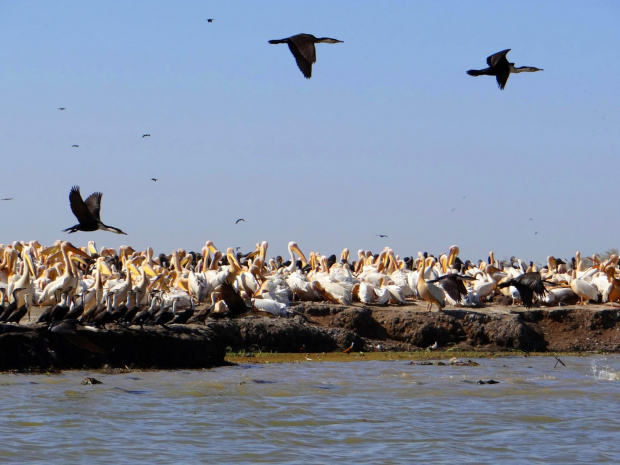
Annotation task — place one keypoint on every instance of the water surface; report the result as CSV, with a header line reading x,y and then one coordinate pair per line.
x,y
357,412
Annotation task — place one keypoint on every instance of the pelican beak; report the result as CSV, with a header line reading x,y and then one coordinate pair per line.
x,y
133,268
301,255
28,261
149,271
231,257
77,251
211,247
78,259
91,249
50,250
104,268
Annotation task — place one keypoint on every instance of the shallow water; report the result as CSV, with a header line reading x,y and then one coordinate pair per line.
x,y
356,412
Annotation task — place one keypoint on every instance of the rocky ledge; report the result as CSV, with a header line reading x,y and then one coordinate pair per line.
x,y
313,328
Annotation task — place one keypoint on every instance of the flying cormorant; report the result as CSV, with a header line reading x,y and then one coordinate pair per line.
x,y
302,48
501,68
87,212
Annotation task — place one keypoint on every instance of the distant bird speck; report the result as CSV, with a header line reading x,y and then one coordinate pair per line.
x,y
7,198
154,179
531,219
75,145
536,233
240,219
145,135
61,108
209,20
453,210
381,235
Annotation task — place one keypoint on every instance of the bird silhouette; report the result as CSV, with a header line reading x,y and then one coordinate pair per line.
x,y
75,145
87,212
381,235
210,20
154,179
145,135
501,68
61,108
302,48
240,219
7,198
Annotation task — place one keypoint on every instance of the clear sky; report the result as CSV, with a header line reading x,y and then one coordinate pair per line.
x,y
390,136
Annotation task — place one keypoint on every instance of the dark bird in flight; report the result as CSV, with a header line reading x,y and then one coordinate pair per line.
x,y
87,212
501,68
75,145
381,235
240,219
7,198
154,179
210,20
145,135
302,48
528,285
61,108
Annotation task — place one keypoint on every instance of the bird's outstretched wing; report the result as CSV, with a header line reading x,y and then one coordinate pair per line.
x,y
494,59
93,203
78,207
502,79
305,54
534,282
240,219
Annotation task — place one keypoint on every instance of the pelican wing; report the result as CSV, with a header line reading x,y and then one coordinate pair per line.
x,y
93,203
494,59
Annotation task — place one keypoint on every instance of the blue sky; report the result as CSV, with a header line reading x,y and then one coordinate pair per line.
x,y
388,137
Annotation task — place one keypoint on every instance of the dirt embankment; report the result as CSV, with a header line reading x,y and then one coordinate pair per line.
x,y
314,328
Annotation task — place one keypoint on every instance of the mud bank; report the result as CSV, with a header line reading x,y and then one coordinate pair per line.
x,y
313,328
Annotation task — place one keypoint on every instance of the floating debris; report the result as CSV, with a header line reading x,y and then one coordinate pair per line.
x,y
88,381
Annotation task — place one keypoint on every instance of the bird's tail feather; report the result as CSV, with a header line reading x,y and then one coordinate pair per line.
x,y
474,72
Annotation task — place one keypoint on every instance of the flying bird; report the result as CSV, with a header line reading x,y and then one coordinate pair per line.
x,y
302,48
381,235
145,135
87,212
75,145
7,198
240,219
209,20
154,179
61,108
501,68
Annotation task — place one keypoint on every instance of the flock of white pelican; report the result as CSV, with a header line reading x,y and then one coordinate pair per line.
x,y
97,287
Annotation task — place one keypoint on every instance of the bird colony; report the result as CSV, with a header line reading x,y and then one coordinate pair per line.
x,y
94,288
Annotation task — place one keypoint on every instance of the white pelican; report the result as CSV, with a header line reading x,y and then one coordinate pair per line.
x,y
584,289
429,292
